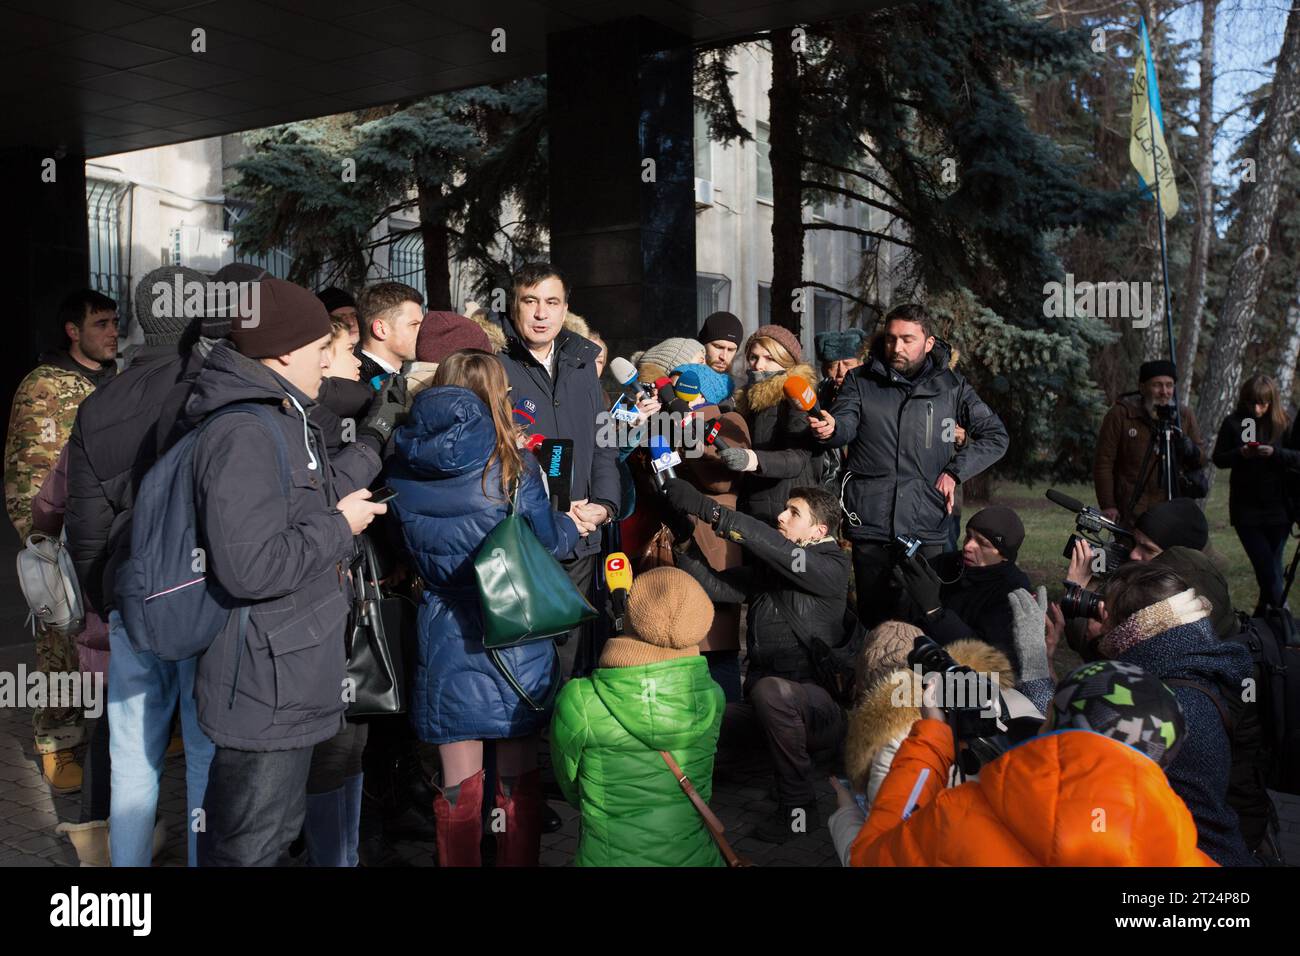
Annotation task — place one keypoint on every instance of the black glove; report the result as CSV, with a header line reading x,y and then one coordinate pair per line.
x,y
387,410
687,499
1189,449
920,581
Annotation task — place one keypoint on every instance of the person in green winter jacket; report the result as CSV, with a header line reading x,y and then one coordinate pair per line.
x,y
651,692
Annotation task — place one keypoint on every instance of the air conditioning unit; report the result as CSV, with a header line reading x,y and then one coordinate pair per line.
x,y
201,248
703,193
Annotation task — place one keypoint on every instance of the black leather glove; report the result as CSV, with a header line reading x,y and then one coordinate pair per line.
x,y
387,410
1188,448
687,499
920,581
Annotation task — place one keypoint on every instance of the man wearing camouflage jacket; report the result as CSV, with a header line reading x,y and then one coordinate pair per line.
x,y
40,421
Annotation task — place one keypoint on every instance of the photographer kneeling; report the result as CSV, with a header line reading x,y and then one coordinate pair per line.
x,y
1111,729
798,577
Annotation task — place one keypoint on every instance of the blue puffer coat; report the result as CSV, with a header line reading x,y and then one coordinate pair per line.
x,y
437,472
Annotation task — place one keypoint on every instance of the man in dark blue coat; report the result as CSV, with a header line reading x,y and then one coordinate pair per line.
x,y
899,413
555,370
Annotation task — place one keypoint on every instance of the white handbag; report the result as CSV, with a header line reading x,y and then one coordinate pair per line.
x,y
49,583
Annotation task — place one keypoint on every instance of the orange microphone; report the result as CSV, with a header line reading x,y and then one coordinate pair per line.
x,y
799,391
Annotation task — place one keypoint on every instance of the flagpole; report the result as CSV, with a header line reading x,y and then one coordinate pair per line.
x,y
1164,253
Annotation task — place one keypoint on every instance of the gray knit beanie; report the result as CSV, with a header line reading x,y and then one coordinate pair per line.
x,y
161,317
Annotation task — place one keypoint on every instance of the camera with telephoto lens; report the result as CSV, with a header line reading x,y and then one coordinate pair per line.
x,y
965,698
1078,601
1112,540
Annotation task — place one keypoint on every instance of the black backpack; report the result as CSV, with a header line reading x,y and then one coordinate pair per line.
x,y
1264,731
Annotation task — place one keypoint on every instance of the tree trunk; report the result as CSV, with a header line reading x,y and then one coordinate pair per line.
x,y
437,258
1233,332
1189,325
787,193
1290,350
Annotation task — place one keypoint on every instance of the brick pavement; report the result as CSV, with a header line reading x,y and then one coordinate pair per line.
x,y
29,811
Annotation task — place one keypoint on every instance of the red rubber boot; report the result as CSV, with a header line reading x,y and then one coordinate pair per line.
x,y
519,841
460,827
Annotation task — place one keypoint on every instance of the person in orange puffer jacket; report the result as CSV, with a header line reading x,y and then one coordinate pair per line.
x,y
1090,790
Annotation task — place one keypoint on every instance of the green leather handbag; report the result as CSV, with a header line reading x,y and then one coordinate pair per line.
x,y
524,593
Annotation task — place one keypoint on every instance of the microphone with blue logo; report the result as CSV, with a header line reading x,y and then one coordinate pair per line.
x,y
663,458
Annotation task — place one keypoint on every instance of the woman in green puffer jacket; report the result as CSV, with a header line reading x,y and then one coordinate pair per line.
x,y
651,692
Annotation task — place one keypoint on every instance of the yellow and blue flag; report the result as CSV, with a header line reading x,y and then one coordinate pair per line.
x,y
1146,148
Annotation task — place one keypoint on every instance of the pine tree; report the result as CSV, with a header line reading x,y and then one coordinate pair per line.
x,y
321,188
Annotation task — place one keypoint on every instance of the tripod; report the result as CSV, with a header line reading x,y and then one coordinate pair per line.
x,y
1159,454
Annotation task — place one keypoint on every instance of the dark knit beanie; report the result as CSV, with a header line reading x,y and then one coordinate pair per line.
x,y
335,298
1121,701
442,333
668,613
833,346
1156,368
286,317
1176,522
721,327
781,334
1201,573
216,322
1002,527
168,327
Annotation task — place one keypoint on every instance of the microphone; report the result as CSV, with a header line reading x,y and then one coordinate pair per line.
x,y
802,394
618,580
663,459
556,455
624,373
688,386
664,388
714,436
534,441
1065,501
525,413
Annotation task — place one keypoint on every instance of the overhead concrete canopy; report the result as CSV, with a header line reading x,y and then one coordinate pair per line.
x,y
96,77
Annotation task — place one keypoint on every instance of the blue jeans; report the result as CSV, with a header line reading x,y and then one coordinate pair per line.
x,y
142,695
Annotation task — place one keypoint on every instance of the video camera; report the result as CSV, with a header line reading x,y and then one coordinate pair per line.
x,y
980,735
1112,540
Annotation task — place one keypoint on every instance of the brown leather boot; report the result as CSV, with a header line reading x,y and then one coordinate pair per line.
x,y
459,826
519,839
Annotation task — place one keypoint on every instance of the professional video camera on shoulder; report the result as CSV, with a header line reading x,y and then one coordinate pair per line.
x,y
1107,539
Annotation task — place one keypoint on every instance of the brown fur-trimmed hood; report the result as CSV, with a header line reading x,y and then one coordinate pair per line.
x,y
761,395
876,721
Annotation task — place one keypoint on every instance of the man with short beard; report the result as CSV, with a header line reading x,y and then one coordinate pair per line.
x,y
40,421
1125,437
900,413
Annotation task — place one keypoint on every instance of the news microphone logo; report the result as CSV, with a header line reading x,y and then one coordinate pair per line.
x,y
799,391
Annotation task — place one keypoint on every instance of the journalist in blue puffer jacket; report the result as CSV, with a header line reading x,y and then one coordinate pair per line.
x,y
438,472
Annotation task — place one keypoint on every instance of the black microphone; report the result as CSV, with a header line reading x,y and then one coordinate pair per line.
x,y
1065,501
714,436
556,455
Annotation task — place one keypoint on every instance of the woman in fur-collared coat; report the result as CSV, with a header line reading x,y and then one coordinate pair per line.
x,y
783,451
